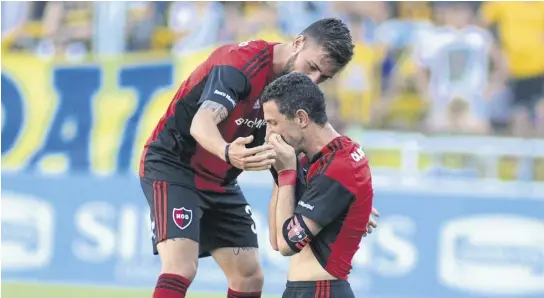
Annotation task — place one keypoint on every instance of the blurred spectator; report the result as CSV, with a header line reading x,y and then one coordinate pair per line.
x,y
233,20
141,22
459,118
453,65
520,31
195,25
21,25
539,119
68,29
262,23
358,85
520,125
14,15
294,16
416,65
412,10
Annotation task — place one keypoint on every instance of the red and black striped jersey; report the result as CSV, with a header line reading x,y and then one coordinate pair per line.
x,y
235,76
338,196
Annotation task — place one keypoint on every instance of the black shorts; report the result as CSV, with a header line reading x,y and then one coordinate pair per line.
x,y
212,219
528,91
318,289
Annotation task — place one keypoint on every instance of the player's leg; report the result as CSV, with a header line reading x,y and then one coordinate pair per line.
x,y
231,238
175,214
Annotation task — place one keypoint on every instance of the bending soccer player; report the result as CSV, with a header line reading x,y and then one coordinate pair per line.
x,y
321,209
212,131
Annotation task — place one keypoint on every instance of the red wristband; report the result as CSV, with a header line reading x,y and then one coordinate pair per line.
x,y
287,177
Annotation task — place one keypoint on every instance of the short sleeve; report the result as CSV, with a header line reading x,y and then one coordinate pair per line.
x,y
225,85
324,200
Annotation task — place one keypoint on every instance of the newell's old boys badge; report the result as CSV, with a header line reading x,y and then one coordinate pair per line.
x,y
182,217
296,233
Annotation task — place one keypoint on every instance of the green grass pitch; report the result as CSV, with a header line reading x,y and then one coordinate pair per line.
x,y
29,290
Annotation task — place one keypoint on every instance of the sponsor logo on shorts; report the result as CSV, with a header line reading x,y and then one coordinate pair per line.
x,y
477,252
225,95
182,217
305,205
255,123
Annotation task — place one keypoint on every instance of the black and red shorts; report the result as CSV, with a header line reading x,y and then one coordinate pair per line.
x,y
213,219
318,289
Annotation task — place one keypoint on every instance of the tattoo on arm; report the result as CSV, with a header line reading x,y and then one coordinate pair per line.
x,y
220,111
236,250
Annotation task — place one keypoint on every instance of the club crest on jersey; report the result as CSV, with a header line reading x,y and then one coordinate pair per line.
x,y
296,234
182,217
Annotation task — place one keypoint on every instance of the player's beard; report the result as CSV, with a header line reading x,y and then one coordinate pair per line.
x,y
296,144
289,66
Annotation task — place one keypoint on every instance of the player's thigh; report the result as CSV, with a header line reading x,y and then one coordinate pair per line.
x,y
229,234
175,221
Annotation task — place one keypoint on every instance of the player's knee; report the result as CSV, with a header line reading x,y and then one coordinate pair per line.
x,y
249,277
179,256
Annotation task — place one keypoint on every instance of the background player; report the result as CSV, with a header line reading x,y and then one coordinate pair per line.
x,y
192,159
321,219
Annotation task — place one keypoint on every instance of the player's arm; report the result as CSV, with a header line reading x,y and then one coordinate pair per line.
x,y
324,200
272,218
285,209
225,86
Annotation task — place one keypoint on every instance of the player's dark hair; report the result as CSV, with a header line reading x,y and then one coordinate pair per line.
x,y
296,91
333,35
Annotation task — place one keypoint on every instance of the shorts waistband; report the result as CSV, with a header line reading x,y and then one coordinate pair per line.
x,y
317,283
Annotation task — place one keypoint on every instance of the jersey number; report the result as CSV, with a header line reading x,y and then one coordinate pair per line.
x,y
248,211
358,155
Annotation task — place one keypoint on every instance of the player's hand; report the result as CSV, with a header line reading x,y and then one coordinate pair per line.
x,y
372,224
286,158
251,159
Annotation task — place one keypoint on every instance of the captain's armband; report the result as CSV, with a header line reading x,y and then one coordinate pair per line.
x,y
296,233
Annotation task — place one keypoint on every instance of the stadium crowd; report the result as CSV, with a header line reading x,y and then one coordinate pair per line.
x,y
439,67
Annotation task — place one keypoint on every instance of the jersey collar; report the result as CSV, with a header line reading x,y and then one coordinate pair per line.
x,y
336,144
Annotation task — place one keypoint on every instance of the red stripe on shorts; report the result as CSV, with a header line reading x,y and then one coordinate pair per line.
x,y
317,288
164,210
156,212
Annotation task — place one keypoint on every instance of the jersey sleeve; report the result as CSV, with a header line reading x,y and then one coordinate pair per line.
x,y
230,72
324,200
226,85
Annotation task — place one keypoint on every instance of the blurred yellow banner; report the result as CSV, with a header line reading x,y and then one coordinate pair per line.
x,y
93,117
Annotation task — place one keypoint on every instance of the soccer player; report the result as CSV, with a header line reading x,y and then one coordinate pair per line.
x,y
213,130
319,214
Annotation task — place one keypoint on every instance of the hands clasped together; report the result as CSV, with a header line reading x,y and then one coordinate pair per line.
x,y
275,153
